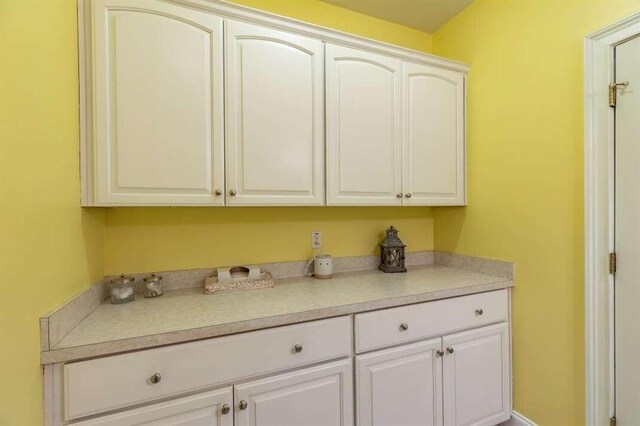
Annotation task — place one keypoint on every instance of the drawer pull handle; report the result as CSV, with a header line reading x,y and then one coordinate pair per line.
x,y
232,192
404,326
225,409
479,312
243,405
450,350
155,378
297,349
218,192
440,353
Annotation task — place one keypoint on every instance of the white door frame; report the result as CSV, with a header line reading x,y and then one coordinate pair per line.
x,y
599,237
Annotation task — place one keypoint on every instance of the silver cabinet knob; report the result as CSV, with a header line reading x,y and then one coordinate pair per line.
x,y
440,353
218,192
407,195
155,378
297,349
232,192
450,350
225,409
243,405
399,195
479,312
404,326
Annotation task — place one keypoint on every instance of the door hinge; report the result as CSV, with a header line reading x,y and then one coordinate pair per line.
x,y
612,263
612,421
613,92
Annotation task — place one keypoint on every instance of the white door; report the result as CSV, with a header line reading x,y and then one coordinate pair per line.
x,y
206,409
627,235
275,117
400,386
433,135
363,128
318,396
157,104
476,376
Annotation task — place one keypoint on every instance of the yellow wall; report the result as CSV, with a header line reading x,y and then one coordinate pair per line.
x,y
49,248
526,180
161,239
140,239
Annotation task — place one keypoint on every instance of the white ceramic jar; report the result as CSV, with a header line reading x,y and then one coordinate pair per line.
x,y
323,266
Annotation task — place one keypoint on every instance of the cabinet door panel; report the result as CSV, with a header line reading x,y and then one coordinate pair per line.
x,y
275,86
319,396
400,386
433,136
477,377
199,410
158,104
363,127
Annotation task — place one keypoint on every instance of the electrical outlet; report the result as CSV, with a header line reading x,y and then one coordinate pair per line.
x,y
316,239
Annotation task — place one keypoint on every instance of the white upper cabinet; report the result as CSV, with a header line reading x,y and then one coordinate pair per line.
x,y
364,152
433,136
187,103
157,105
275,117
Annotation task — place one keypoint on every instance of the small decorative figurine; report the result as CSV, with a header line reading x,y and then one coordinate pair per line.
x,y
392,252
153,286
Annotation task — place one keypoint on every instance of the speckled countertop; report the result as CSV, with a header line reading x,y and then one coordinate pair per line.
x,y
184,315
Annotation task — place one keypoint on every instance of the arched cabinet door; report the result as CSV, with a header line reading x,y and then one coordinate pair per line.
x,y
433,136
275,117
157,101
363,128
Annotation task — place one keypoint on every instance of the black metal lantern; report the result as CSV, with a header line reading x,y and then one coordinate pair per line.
x,y
392,252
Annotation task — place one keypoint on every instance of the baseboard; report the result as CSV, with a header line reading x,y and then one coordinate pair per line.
x,y
518,419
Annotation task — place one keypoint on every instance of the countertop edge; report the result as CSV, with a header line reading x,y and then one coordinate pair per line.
x,y
77,353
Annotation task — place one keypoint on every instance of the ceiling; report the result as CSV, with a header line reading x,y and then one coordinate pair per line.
x,y
423,15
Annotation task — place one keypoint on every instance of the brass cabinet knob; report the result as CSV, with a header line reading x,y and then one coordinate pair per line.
x,y
243,405
399,195
232,192
155,378
404,326
479,312
408,195
218,192
225,409
440,353
450,350
297,349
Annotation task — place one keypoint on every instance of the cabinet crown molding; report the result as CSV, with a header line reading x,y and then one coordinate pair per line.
x,y
247,14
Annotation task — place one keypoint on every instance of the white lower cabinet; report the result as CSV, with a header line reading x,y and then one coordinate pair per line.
x,y
439,363
206,409
477,377
459,379
319,396
400,386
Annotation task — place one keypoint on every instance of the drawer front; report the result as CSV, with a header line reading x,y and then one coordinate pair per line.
x,y
387,327
103,384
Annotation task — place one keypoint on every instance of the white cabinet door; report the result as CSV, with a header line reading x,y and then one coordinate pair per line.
x,y
206,409
275,117
363,128
400,386
157,101
319,396
477,377
433,134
